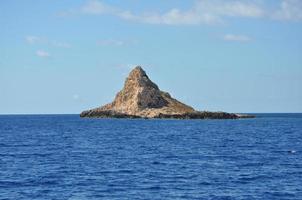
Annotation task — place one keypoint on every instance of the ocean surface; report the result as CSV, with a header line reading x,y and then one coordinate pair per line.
x,y
65,157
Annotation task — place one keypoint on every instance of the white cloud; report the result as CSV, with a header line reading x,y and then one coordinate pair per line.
x,y
44,41
201,12
232,8
60,44
172,17
236,38
110,42
115,42
289,10
97,7
33,39
42,53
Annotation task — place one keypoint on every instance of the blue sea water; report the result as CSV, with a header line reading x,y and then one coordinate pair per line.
x,y
66,157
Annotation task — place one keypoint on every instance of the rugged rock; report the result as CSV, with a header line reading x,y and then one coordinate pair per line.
x,y
141,98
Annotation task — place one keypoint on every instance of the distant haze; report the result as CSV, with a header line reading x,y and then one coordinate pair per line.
x,y
217,55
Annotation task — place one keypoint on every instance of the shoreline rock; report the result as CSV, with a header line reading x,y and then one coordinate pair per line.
x,y
193,115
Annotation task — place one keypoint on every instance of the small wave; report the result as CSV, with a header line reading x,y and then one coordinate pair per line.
x,y
292,151
253,178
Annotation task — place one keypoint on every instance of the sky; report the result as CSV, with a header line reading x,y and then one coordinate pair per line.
x,y
65,56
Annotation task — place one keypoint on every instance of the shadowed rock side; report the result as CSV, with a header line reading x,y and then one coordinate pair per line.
x,y
141,98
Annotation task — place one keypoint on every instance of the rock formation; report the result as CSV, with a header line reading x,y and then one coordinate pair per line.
x,y
141,98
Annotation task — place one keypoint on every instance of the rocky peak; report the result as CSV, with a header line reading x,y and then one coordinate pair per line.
x,y
139,78
139,93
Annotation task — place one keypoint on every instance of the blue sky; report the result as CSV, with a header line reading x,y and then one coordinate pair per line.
x,y
230,55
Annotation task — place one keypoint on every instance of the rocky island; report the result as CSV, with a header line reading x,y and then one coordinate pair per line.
x,y
141,98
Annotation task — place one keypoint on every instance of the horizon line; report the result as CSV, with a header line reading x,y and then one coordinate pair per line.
x,y
3,114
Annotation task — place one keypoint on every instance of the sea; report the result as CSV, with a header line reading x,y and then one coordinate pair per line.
x,y
54,157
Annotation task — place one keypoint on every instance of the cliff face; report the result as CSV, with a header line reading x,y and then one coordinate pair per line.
x,y
141,98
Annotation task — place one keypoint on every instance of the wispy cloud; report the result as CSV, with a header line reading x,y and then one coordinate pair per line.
x,y
201,12
115,42
42,53
31,39
60,44
233,8
110,42
236,38
289,10
97,7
